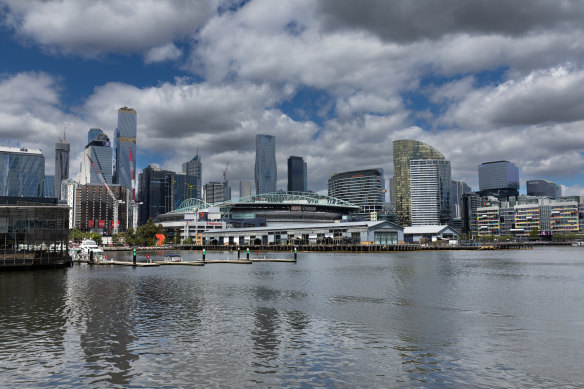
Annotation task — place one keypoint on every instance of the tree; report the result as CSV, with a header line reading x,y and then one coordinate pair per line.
x,y
533,234
95,237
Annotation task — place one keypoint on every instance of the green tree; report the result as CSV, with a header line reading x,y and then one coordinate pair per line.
x,y
96,237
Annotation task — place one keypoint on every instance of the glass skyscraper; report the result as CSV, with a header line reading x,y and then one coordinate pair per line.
x,y
194,168
499,178
296,174
62,149
22,172
266,174
543,188
403,152
431,190
365,188
100,152
124,144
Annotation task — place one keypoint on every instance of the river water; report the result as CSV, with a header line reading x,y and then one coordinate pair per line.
x,y
412,319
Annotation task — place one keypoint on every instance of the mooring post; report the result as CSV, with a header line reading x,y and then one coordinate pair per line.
x,y
91,256
295,253
248,253
203,255
238,253
134,257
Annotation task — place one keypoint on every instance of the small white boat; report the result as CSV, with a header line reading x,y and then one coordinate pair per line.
x,y
172,258
88,245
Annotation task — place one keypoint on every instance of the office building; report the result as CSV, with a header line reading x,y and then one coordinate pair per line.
x,y
430,187
458,189
499,179
100,152
543,188
266,174
94,208
155,192
297,180
183,187
62,149
216,192
403,152
125,148
22,172
49,186
365,188
244,189
68,192
470,202
194,168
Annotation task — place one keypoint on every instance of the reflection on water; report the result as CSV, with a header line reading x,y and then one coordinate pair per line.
x,y
331,320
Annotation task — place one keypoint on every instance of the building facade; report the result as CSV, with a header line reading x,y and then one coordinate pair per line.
x,y
498,178
266,172
216,192
297,180
194,168
49,186
403,152
365,188
62,149
155,192
94,208
543,188
458,189
244,189
125,148
430,188
99,152
22,172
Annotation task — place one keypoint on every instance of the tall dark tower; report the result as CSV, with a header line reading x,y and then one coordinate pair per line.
x,y
62,149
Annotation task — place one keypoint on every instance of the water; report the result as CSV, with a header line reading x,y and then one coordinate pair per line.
x,y
415,319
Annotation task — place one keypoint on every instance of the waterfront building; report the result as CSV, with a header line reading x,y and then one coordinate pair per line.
x,y
365,188
183,187
543,188
431,233
430,188
458,189
100,152
266,173
68,192
155,192
498,178
488,222
49,186
560,217
94,208
22,172
244,189
470,202
297,180
62,149
403,152
34,233
194,168
125,148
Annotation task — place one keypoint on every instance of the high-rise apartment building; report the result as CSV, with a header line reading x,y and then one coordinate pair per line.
x,y
100,152
194,168
155,192
266,173
543,188
22,172
244,189
365,188
499,178
94,208
125,147
297,180
430,188
62,149
403,152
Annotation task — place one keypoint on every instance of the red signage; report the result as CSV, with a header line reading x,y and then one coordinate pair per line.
x,y
90,223
114,223
101,223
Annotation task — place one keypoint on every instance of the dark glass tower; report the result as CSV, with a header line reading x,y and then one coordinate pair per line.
x,y
266,174
296,174
22,172
62,149
124,145
499,178
194,169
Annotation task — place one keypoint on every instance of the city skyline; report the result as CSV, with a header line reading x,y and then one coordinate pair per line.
x,y
332,85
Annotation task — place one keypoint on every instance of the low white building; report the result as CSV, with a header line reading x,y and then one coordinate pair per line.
x,y
430,233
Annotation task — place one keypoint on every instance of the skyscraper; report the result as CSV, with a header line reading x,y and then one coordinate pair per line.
x,y
543,188
244,189
266,174
365,188
430,188
125,147
194,168
403,152
458,189
100,152
296,174
22,172
499,178
62,149
155,192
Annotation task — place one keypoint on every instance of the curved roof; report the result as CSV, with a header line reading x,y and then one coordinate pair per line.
x,y
301,198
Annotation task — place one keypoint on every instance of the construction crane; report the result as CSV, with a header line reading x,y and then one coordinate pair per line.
x,y
116,202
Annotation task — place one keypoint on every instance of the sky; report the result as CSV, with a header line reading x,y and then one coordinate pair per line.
x,y
336,81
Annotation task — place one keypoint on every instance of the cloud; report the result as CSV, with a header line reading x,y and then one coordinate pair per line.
x,y
572,190
93,27
168,52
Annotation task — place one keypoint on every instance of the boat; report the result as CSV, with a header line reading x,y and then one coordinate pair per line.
x,y
88,245
172,258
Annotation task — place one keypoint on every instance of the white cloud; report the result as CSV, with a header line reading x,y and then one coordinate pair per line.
x,y
168,52
572,190
92,27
